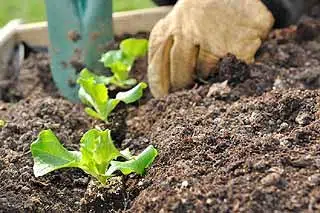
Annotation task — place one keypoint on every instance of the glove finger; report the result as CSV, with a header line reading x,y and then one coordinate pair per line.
x,y
183,57
158,69
206,64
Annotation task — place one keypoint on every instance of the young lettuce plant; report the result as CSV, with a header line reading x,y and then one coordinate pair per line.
x,y
94,94
96,156
121,61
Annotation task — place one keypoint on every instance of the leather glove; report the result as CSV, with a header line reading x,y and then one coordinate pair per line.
x,y
192,38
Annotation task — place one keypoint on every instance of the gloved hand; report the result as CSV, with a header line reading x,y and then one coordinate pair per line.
x,y
196,34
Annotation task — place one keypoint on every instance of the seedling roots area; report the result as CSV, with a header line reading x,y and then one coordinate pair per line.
x,y
248,140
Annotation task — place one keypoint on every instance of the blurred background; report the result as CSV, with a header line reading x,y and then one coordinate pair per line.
x,y
34,10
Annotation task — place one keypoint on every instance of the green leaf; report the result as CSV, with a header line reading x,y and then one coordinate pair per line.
x,y
2,123
84,97
120,70
130,82
105,80
49,154
126,154
132,95
97,151
86,74
134,47
111,105
94,95
93,113
123,84
117,56
119,63
137,165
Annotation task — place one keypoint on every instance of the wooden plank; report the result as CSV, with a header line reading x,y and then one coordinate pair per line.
x,y
35,34
124,22
7,42
139,20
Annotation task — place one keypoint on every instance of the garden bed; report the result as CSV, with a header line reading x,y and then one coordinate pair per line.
x,y
252,145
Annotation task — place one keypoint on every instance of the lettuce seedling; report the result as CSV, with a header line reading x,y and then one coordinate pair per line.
x,y
121,61
97,151
94,94
2,123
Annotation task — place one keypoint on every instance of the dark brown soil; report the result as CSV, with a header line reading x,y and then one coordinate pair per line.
x,y
34,79
243,143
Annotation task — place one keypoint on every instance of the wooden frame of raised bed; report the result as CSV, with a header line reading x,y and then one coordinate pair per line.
x,y
36,34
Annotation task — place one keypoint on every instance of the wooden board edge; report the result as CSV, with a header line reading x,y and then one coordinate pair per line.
x,y
7,43
135,21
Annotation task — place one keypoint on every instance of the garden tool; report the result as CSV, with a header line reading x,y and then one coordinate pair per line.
x,y
78,32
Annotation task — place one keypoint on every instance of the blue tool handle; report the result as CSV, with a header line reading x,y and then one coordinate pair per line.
x,y
78,31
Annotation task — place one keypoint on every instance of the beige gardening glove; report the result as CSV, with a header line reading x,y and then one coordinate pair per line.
x,y
196,34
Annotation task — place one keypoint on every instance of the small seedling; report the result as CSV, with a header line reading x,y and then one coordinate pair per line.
x,y
94,94
97,156
2,123
121,61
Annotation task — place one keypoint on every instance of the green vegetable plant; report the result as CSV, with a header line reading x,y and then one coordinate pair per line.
x,y
121,61
97,156
94,93
2,123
